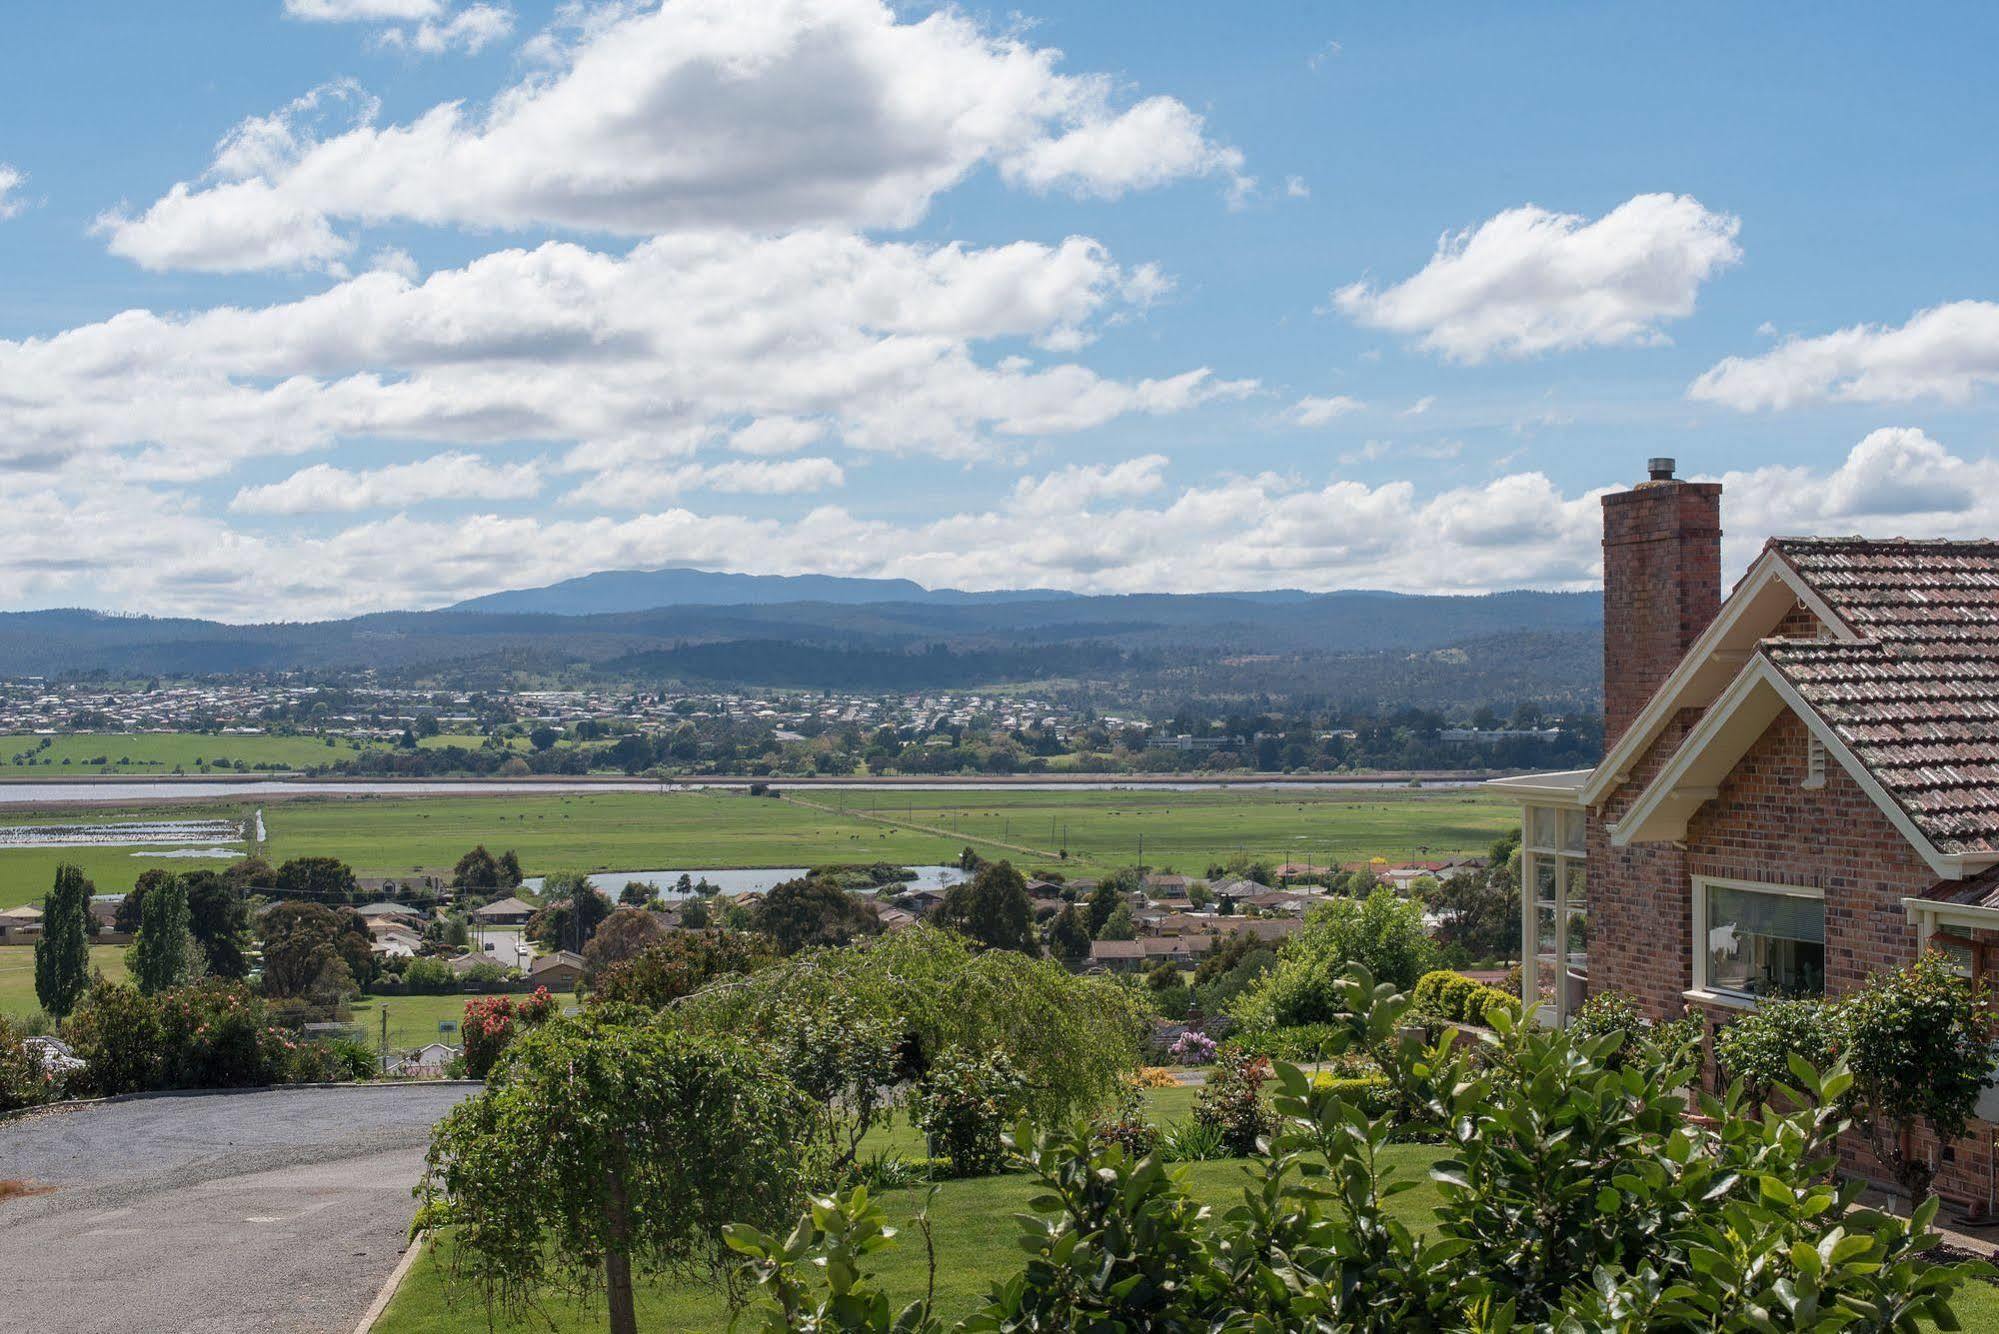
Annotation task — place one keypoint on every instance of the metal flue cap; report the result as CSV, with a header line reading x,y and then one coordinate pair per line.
x,y
1660,469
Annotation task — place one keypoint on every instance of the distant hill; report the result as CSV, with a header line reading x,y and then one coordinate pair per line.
x,y
1349,645
643,590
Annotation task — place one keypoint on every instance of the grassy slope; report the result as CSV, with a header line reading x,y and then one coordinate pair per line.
x,y
643,830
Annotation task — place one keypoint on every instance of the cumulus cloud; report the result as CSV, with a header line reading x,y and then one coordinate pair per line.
x,y
11,180
692,115
777,435
470,30
615,359
363,11
324,488
1115,528
1529,281
1310,411
1947,352
636,487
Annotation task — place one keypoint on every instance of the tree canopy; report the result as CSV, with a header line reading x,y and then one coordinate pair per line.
x,y
991,908
62,954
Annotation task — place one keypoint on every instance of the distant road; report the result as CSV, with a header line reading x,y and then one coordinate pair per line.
x,y
114,791
279,1211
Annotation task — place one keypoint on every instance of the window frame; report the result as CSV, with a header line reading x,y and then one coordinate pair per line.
x,y
1702,988
1560,854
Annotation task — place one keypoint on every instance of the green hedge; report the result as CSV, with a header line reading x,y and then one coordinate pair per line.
x,y
1458,999
1296,1042
1368,1093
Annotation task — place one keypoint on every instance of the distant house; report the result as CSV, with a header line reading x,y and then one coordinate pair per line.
x,y
462,964
394,938
1239,889
385,911
1119,956
1166,887
427,1061
559,971
895,919
1177,949
20,925
509,911
1271,930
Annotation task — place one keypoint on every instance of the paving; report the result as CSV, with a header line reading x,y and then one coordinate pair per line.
x,y
274,1211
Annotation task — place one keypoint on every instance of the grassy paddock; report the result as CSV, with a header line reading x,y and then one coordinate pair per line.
x,y
155,753
611,831
17,974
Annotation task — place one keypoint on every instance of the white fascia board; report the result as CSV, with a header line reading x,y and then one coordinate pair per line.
x,y
1713,651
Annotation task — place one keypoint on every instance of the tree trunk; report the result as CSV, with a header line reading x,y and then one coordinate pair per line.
x,y
618,1257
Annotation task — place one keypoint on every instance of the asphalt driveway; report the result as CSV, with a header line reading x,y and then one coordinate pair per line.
x,y
243,1212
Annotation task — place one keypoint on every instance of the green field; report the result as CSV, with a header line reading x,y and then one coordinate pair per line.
x,y
155,753
1189,830
612,831
17,974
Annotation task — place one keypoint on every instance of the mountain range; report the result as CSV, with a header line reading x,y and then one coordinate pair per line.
x,y
821,631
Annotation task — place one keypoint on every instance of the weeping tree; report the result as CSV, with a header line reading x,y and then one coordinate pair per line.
x,y
600,1146
62,955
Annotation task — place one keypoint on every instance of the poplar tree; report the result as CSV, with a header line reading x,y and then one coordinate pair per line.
x,y
62,955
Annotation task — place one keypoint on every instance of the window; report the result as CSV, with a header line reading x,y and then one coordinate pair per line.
x,y
1555,925
1758,940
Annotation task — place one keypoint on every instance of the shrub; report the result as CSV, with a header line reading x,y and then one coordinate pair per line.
x,y
492,1022
338,1061
429,977
214,1035
1372,1095
1382,933
678,964
24,1082
1192,1142
1232,1101
1153,1077
1192,1048
1757,1048
1127,1126
1297,1042
964,1106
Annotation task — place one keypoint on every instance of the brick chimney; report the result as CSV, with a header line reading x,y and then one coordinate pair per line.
x,y
1661,585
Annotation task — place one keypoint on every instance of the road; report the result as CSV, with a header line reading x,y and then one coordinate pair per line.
x,y
283,1210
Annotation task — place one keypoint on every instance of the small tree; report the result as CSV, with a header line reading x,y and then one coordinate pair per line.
x,y
62,955
1916,1044
992,909
1069,934
602,1146
799,913
162,957
1120,925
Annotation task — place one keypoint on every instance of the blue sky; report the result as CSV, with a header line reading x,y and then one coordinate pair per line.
x,y
310,307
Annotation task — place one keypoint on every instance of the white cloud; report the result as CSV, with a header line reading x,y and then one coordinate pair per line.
x,y
694,115
470,30
1079,486
1947,352
1317,60
1419,407
1096,528
1528,281
1311,411
777,435
363,11
11,204
1376,450
636,487
1295,188
323,488
616,360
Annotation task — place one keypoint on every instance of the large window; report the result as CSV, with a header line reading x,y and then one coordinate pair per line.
x,y
1753,941
1555,960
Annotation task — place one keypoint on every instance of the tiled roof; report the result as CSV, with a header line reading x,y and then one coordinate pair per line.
x,y
1917,698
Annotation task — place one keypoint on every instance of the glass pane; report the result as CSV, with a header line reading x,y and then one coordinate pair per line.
x,y
1544,937
1578,883
1765,944
1958,951
1544,881
1541,826
1578,939
1573,828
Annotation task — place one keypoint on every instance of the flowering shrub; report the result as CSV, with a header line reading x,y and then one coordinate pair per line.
x,y
1232,1103
1153,1077
1192,1048
964,1105
491,1022
24,1082
213,1035
1127,1127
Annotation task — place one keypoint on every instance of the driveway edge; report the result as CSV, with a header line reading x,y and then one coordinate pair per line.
x,y
394,1281
69,1104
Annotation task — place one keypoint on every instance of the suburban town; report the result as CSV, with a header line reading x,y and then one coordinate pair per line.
x,y
813,665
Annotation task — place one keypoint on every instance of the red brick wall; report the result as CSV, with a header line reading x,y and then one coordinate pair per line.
x,y
1661,587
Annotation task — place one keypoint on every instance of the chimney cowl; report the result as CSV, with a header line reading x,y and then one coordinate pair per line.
x,y
1660,469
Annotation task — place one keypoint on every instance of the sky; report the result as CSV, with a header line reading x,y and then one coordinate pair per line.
x,y
310,308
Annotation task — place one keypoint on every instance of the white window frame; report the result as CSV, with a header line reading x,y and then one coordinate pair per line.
x,y
1700,990
1561,857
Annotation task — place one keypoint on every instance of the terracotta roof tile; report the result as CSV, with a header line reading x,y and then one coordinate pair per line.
x,y
1917,698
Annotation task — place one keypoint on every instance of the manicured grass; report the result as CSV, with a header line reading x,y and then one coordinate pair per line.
x,y
17,974
412,1019
613,831
1188,830
972,1223
155,753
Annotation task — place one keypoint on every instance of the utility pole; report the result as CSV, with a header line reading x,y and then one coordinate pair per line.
x,y
385,1039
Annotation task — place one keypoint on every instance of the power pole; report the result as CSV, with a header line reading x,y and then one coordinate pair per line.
x,y
385,1039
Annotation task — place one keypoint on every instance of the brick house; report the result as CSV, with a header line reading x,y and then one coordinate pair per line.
x,y
1800,783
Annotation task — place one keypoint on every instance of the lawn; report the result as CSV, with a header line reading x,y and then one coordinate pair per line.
x,y
17,974
972,1221
623,831
412,1019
